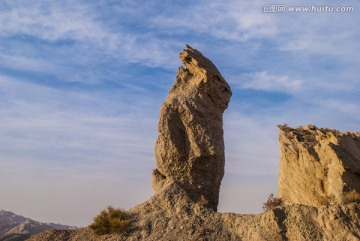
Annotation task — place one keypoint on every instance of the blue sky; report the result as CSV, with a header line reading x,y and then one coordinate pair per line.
x,y
82,82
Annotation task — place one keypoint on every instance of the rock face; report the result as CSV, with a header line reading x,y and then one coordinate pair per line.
x,y
319,166
190,147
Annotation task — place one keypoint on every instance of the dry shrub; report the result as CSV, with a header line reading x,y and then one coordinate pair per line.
x,y
202,201
110,220
272,202
352,196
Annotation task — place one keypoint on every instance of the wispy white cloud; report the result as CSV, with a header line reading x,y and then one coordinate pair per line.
x,y
269,82
25,63
55,126
233,21
343,106
335,40
55,21
80,23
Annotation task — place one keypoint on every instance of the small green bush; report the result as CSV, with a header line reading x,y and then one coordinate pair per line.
x,y
111,220
272,202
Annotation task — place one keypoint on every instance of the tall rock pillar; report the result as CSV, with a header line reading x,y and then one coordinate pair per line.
x,y
190,147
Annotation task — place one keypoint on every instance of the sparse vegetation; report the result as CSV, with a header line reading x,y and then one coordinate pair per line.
x,y
272,202
352,196
110,220
203,201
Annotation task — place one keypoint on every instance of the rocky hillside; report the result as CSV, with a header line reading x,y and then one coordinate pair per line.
x,y
319,166
169,215
190,166
15,227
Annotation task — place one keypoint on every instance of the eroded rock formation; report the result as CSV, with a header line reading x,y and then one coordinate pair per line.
x,y
190,147
318,166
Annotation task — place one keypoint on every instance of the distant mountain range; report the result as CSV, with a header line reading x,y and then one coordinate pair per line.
x,y
18,228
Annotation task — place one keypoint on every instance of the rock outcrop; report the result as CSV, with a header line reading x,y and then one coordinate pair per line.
x,y
316,165
190,146
319,166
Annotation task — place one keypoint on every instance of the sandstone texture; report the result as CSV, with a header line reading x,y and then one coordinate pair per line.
x,y
319,166
190,147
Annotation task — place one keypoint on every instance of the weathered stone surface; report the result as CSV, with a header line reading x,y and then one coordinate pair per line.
x,y
190,147
318,166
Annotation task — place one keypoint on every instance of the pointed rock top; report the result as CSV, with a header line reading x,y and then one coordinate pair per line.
x,y
199,76
197,63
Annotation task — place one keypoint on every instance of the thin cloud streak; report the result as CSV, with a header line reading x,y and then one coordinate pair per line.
x,y
265,81
233,21
80,28
42,122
